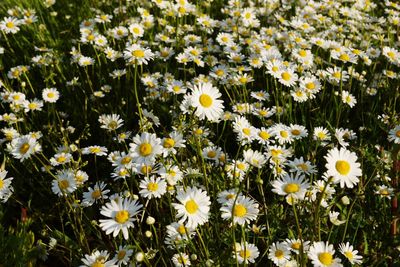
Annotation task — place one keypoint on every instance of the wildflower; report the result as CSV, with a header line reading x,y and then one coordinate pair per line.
x,y
152,187
348,98
342,166
122,255
193,206
60,159
241,210
6,189
96,150
351,254
384,191
145,148
334,218
120,216
292,186
254,158
181,260
394,135
85,61
110,122
246,253
279,253
205,98
65,183
10,25
322,255
94,194
136,54
171,143
98,258
50,95
23,147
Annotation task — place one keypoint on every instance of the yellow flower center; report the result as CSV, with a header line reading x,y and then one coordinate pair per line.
x,y
61,159
239,210
181,229
122,216
391,55
286,76
343,167
95,150
295,132
302,166
112,125
176,88
10,24
146,169
96,194
211,154
383,192
398,133
138,53
136,30
264,135
191,206
32,105
169,142
291,188
284,134
302,53
145,149
121,254
63,184
246,131
275,68
337,75
349,255
321,135
224,39
50,95
24,148
245,254
126,160
205,100
1,184
325,258
152,187
310,86
98,264
296,245
279,254
243,80
344,57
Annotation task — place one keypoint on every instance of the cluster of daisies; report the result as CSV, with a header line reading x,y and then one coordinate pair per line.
x,y
193,125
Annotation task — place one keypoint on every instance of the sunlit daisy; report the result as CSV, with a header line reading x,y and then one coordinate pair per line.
x,y
152,187
322,255
240,210
279,253
342,167
205,98
351,254
121,216
246,253
193,207
145,148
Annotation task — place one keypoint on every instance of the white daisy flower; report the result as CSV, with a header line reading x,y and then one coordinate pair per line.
x,y
342,166
245,253
193,206
145,148
279,253
6,189
121,216
152,187
241,210
322,255
351,254
50,95
205,99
